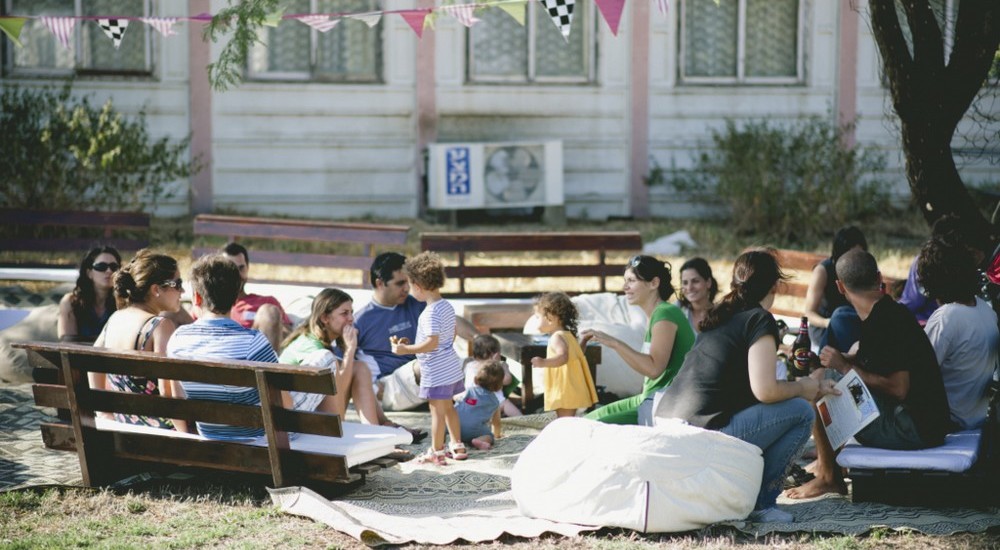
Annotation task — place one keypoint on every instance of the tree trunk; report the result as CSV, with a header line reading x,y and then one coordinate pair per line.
x,y
931,96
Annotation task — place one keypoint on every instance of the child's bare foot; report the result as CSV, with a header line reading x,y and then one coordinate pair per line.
x,y
817,487
482,444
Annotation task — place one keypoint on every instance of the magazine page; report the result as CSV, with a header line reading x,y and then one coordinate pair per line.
x,y
846,414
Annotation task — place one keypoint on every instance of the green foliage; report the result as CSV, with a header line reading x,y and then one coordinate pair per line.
x,y
61,152
243,19
789,183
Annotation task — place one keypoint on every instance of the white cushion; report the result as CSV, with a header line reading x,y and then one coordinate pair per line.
x,y
359,444
667,478
958,454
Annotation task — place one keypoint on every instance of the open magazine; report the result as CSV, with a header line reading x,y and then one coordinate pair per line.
x,y
846,414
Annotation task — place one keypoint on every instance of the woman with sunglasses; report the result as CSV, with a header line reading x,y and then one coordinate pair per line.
x,y
149,287
83,312
668,337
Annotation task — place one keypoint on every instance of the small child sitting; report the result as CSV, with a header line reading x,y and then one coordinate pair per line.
x,y
568,383
479,410
486,349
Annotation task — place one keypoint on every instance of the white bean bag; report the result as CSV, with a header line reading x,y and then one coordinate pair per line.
x,y
667,478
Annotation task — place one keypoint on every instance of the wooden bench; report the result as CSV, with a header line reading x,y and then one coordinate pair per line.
x,y
69,231
107,455
600,243
235,228
792,293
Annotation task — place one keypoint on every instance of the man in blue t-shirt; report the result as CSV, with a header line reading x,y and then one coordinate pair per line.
x,y
393,312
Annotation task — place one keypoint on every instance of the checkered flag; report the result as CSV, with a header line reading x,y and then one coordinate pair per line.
x,y
561,12
114,28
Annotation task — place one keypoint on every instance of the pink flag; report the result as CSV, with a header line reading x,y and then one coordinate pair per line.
x,y
464,13
612,12
415,18
664,5
62,27
163,25
322,23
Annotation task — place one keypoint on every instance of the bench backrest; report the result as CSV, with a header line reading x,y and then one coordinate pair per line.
x,y
600,242
236,228
799,265
27,234
99,450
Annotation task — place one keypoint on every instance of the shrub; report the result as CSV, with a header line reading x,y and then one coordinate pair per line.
x,y
790,183
61,152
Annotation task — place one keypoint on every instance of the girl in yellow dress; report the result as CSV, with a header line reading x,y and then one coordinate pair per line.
x,y
568,384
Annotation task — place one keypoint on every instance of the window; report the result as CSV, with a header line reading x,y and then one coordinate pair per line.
x,y
90,50
350,52
501,50
741,41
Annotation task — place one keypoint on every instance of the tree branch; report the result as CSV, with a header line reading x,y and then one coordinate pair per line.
x,y
897,63
977,38
928,43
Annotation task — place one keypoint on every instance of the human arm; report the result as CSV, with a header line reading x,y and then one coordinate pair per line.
x,y
896,384
560,357
814,297
158,341
401,346
768,389
66,325
650,365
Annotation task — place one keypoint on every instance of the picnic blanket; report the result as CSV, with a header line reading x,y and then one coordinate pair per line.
x,y
472,500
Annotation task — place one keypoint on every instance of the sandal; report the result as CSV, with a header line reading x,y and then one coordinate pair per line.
x,y
457,451
797,475
436,458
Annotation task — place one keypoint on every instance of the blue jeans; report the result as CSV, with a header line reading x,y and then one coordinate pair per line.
x,y
844,329
781,430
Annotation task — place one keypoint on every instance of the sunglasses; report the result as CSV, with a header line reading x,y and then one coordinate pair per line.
x,y
104,266
177,283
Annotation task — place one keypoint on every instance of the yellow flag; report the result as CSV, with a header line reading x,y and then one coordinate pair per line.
x,y
11,26
272,19
514,9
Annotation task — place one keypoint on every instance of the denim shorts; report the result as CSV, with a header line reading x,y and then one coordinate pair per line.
x,y
893,429
442,392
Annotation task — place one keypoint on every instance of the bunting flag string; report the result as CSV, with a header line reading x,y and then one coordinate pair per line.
x,y
322,23
62,27
560,11
115,29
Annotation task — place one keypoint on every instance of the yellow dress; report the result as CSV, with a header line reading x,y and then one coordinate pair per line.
x,y
569,386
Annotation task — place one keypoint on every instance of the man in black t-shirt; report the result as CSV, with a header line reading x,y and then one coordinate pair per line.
x,y
896,361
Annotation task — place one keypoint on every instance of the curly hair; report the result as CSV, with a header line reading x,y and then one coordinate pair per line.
x,y
947,271
561,307
485,346
133,282
84,294
425,270
490,376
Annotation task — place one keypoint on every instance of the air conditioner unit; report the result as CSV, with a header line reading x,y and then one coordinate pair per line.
x,y
495,175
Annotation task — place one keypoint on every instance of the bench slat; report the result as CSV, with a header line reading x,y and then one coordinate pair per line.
x,y
505,242
69,243
299,230
559,270
50,395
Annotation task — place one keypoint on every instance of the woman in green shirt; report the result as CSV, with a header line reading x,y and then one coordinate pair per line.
x,y
668,337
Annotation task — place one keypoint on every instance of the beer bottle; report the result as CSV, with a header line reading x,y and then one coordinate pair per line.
x,y
802,350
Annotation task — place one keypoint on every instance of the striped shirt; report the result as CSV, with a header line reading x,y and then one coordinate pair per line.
x,y
440,366
221,339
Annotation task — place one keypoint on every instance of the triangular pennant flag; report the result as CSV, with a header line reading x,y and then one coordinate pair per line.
x,y
115,29
322,23
612,12
515,10
11,26
272,19
462,12
561,12
663,5
371,19
415,18
163,25
62,27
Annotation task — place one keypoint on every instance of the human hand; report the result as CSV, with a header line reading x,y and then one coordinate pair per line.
x,y
832,358
350,336
826,387
398,344
537,362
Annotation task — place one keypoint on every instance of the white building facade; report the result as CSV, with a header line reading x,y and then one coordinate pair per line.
x,y
335,124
